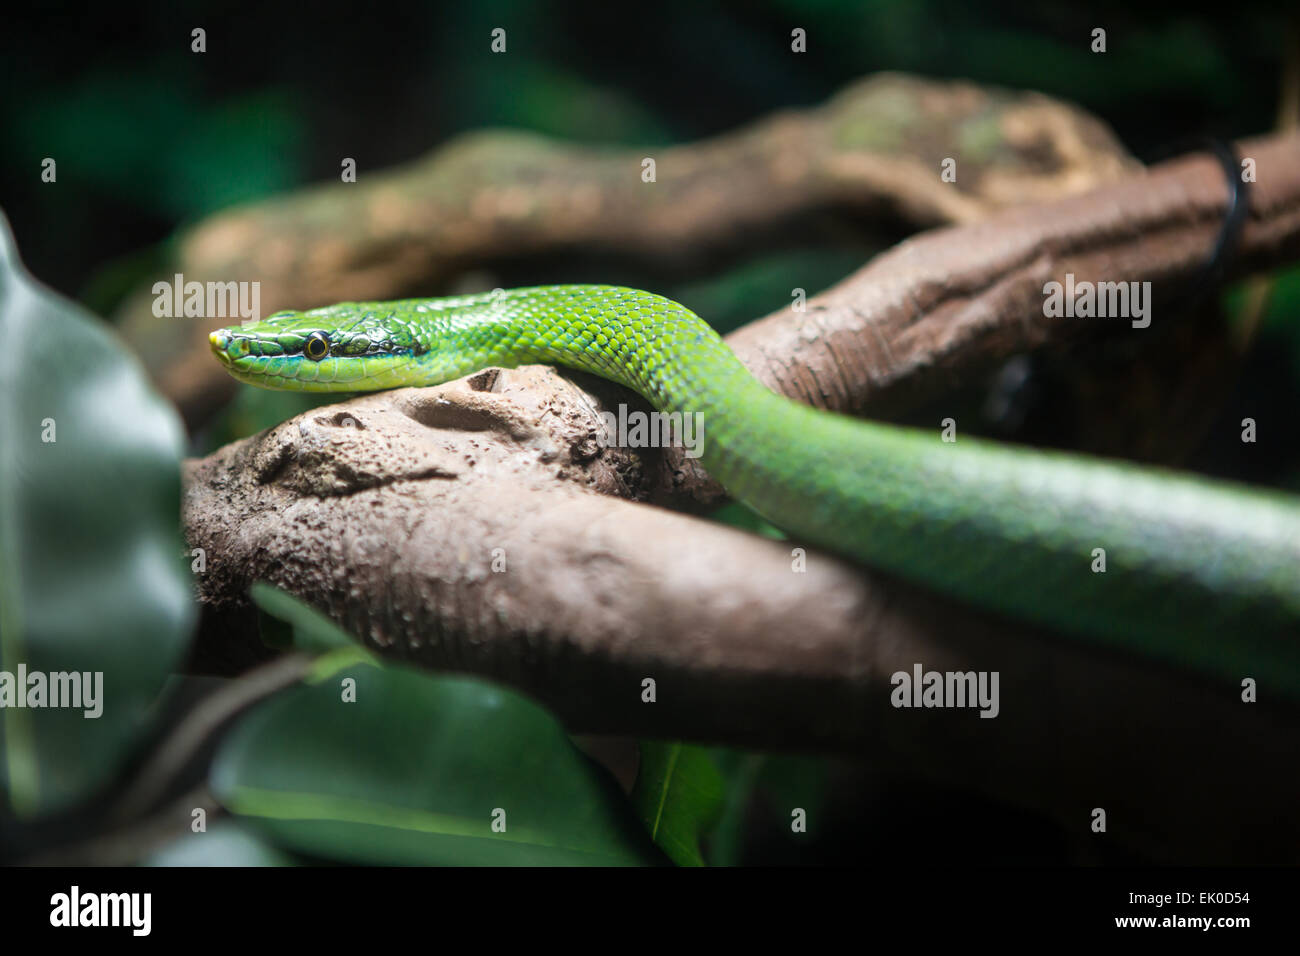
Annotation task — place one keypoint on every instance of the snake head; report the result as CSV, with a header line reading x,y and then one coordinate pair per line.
x,y
343,348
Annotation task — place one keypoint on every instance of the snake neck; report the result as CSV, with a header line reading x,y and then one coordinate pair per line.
x,y
643,341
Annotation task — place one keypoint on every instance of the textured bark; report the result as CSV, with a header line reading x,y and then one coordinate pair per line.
x,y
388,511
919,312
874,149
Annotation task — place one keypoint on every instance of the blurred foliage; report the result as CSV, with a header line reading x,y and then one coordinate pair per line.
x,y
421,769
772,787
373,762
1267,388
149,136
225,844
1279,324
89,498
191,157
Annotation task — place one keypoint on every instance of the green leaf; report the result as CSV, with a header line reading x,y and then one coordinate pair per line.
x,y
416,769
740,772
309,629
679,796
94,578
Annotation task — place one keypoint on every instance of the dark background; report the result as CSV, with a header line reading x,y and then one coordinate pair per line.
x,y
150,136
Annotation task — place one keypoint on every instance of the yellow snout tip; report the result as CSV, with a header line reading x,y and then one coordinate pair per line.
x,y
220,342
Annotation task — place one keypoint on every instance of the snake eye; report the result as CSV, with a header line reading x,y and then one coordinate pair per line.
x,y
317,346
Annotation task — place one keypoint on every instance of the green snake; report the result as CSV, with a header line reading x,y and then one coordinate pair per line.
x,y
1199,574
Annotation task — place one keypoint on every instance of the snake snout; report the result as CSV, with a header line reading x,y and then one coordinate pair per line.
x,y
220,342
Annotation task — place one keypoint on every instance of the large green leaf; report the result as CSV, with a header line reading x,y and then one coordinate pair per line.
x,y
679,796
416,769
93,575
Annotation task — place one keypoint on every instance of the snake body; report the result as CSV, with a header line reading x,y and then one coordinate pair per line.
x,y
1197,573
